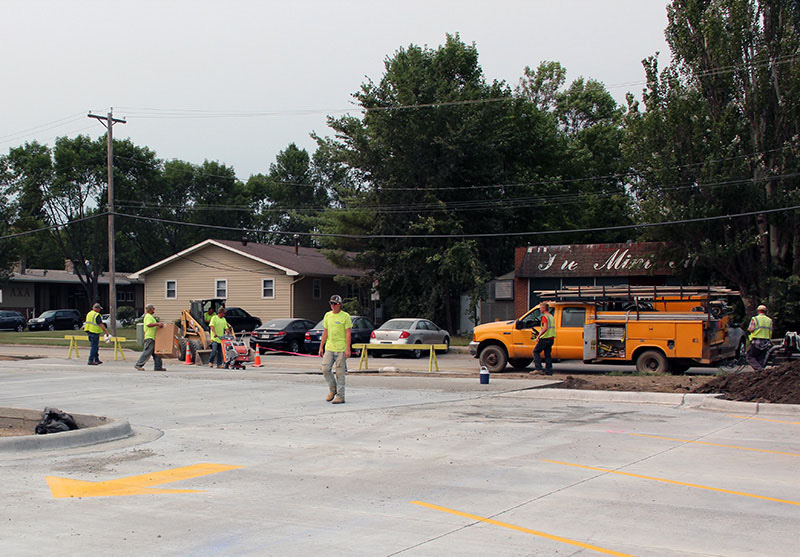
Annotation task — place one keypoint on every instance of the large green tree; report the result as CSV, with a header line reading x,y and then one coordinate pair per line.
x,y
289,198
69,182
439,151
718,136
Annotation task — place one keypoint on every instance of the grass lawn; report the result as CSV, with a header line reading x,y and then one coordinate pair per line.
x,y
56,338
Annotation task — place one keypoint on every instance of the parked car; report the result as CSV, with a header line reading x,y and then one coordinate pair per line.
x,y
410,331
360,333
106,317
280,334
240,320
56,319
12,320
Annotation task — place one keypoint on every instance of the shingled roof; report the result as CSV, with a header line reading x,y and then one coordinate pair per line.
x,y
293,261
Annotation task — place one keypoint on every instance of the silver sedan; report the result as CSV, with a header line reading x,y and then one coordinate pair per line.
x,y
410,331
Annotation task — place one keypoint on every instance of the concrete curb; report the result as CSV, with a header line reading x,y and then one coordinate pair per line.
x,y
689,400
92,430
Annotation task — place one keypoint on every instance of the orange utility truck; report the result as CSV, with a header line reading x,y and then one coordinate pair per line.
x,y
659,329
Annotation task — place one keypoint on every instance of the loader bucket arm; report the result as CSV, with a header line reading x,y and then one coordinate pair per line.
x,y
190,325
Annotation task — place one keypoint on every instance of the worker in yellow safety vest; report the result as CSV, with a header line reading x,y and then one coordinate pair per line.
x,y
760,338
94,326
545,338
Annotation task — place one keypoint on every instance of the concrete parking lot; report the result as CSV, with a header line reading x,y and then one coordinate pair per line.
x,y
257,463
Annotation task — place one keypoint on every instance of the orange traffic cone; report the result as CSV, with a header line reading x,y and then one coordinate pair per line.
x,y
188,360
257,363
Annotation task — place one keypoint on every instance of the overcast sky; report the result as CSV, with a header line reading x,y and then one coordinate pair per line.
x,y
282,65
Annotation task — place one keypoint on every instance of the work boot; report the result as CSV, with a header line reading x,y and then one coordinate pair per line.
x,y
92,363
138,368
338,400
330,396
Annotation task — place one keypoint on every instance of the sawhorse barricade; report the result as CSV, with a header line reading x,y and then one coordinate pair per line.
x,y
73,345
432,361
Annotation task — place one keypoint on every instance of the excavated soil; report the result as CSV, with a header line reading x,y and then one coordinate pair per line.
x,y
780,384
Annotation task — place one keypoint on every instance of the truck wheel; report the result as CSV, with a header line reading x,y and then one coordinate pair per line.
x,y
494,358
652,361
520,363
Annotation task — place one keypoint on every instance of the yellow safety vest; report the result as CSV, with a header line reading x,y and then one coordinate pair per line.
x,y
91,326
763,327
551,326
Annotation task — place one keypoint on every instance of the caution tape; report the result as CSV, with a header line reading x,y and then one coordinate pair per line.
x,y
292,353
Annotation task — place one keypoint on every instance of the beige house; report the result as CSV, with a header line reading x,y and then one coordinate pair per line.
x,y
267,281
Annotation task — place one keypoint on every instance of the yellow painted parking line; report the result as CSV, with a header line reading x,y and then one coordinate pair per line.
x,y
763,419
675,482
714,444
522,529
134,485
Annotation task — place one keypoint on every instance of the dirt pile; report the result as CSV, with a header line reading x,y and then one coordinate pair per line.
x,y
779,384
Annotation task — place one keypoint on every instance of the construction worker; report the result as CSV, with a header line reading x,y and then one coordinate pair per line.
x,y
150,325
334,349
218,327
209,314
93,325
546,337
760,338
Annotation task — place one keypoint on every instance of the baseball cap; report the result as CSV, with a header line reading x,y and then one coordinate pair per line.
x,y
336,299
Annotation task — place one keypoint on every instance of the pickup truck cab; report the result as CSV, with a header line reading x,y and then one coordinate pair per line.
x,y
509,342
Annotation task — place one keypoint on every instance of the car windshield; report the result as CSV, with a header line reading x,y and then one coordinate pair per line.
x,y
46,314
276,324
318,325
397,324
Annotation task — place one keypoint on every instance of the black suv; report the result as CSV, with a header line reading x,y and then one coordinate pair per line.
x,y
56,319
12,320
240,320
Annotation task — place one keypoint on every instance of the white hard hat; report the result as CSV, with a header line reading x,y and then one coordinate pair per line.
x,y
762,307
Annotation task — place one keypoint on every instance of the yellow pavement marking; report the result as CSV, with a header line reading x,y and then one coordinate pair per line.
x,y
674,482
763,419
713,444
134,485
521,529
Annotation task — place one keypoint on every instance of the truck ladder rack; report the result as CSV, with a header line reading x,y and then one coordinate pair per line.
x,y
628,292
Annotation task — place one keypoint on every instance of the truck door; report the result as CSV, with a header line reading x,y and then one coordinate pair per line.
x,y
589,342
521,345
569,333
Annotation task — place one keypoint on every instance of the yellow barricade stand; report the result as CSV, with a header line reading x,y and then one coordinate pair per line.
x,y
73,345
432,361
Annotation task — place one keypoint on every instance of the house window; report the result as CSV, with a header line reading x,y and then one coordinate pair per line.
x,y
316,289
221,290
171,288
267,288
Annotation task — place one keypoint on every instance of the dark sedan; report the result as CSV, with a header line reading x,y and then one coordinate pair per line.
x,y
280,334
12,320
359,334
240,320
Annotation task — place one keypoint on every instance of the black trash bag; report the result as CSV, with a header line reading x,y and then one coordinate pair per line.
x,y
54,421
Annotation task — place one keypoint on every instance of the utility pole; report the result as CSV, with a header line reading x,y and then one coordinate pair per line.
x,y
112,285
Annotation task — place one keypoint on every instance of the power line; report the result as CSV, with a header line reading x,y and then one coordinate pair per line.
x,y
477,235
416,236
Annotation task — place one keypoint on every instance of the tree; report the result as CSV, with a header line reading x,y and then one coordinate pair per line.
x,y
439,151
592,173
69,181
718,136
289,199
